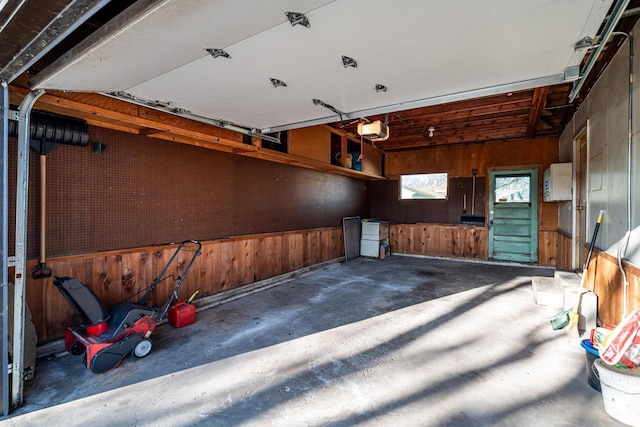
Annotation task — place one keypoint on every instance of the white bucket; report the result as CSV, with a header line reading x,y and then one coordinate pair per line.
x,y
620,392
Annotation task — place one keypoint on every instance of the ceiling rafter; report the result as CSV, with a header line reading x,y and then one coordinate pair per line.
x,y
457,127
498,135
537,105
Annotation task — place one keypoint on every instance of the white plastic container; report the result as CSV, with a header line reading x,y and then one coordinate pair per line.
x,y
620,392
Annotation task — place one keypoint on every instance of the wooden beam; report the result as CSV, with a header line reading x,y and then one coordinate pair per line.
x,y
148,131
135,116
465,113
472,136
461,126
113,126
477,103
537,105
490,129
102,111
278,157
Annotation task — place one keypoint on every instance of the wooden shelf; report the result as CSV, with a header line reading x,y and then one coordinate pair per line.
x,y
275,156
103,111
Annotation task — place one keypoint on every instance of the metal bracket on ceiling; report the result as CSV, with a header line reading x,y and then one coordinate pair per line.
x,y
572,73
277,82
380,88
216,53
156,104
160,104
297,18
258,134
328,106
347,61
181,112
584,43
616,14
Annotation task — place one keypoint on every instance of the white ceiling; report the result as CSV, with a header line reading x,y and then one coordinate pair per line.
x,y
424,51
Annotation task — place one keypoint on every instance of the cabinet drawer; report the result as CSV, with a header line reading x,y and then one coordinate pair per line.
x,y
375,230
369,248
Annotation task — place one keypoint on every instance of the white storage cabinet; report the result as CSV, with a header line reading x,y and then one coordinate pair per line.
x,y
374,234
557,182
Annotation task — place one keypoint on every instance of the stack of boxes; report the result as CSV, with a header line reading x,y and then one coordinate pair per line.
x,y
374,241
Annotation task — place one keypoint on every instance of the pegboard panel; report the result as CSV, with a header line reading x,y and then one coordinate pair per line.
x,y
385,203
139,192
277,197
142,191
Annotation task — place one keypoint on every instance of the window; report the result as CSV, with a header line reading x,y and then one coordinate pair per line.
x,y
424,186
513,189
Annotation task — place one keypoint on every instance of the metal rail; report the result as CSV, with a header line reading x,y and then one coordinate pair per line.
x,y
4,247
22,192
615,17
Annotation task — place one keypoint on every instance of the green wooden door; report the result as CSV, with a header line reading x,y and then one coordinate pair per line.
x,y
513,215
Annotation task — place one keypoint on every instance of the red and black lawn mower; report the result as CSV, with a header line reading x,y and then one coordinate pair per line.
x,y
106,337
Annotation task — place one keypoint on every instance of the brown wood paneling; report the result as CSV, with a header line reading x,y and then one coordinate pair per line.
x,y
106,277
210,270
458,241
547,247
223,264
563,256
459,160
312,142
385,203
604,275
548,214
269,247
109,113
228,264
142,191
372,161
292,250
270,197
439,240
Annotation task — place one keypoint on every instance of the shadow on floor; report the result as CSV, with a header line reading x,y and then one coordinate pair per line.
x,y
427,313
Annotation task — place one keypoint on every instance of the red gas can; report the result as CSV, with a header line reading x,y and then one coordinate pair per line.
x,y
182,314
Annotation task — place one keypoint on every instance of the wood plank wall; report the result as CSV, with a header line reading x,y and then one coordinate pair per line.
x,y
457,241
312,142
460,161
547,247
143,192
224,264
386,203
604,276
563,257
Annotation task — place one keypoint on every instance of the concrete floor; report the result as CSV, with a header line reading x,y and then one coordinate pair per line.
x,y
402,341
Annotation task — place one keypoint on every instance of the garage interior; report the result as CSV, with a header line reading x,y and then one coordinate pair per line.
x,y
247,127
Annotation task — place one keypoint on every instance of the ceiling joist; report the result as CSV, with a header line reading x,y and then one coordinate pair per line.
x,y
537,105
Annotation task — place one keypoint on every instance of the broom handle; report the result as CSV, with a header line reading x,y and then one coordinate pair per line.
x,y
593,241
43,208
